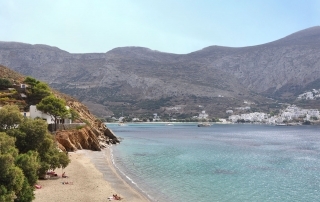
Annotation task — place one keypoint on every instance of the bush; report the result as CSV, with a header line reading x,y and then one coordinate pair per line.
x,y
87,122
5,83
80,127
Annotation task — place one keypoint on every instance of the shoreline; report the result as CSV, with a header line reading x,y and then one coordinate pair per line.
x,y
315,123
91,177
118,180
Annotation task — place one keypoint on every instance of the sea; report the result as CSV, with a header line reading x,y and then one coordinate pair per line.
x,y
223,162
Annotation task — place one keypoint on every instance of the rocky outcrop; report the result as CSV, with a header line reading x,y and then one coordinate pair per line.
x,y
71,140
94,136
85,138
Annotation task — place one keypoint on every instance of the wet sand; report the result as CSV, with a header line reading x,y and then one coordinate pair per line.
x,y
91,177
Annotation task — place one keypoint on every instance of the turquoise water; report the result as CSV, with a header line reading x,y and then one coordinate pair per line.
x,y
222,162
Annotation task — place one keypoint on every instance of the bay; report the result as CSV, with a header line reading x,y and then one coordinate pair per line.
x,y
236,162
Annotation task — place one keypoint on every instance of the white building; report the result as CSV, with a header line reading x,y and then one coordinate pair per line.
x,y
34,113
229,111
203,115
156,117
291,113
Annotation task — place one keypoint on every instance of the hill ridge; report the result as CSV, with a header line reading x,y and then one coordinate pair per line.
x,y
141,81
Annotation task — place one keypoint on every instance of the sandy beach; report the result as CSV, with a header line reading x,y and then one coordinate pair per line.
x,y
91,177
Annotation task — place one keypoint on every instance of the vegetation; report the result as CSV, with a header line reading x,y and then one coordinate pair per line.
x,y
31,81
27,151
10,117
155,104
74,115
37,89
11,176
80,127
5,83
54,106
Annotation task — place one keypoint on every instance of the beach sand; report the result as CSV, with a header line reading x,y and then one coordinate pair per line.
x,y
93,178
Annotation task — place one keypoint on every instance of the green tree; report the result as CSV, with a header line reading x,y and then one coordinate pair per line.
x,y
11,176
38,89
26,193
32,137
50,157
29,164
5,83
74,114
27,151
31,81
54,106
10,117
30,134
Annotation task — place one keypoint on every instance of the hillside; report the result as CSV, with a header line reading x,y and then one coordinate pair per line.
x,y
94,135
139,82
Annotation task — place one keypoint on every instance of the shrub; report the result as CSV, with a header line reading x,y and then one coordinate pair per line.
x,y
5,83
80,127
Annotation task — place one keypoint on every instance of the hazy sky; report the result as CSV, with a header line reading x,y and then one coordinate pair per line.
x,y
174,26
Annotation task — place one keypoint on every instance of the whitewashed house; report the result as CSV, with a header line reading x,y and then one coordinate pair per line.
x,y
34,113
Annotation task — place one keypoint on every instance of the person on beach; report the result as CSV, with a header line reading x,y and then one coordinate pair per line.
x,y
116,197
64,175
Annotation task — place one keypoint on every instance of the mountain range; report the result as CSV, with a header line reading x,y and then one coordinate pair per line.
x,y
137,81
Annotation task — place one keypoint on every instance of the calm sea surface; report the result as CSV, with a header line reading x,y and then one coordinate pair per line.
x,y
222,162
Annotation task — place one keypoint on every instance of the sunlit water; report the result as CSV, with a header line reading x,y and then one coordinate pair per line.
x,y
222,162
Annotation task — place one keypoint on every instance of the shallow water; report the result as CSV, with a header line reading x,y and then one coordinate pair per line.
x,y
221,162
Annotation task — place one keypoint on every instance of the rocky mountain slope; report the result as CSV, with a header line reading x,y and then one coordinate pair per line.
x,y
140,81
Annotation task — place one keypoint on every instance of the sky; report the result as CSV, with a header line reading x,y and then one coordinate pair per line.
x,y
172,26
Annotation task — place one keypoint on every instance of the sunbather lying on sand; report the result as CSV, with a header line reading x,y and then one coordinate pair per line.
x,y
114,197
117,197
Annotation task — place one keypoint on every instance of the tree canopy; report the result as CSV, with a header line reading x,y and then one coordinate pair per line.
x,y
37,89
11,176
5,83
30,134
31,81
27,151
10,117
54,106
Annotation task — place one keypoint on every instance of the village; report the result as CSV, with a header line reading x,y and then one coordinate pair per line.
x,y
290,115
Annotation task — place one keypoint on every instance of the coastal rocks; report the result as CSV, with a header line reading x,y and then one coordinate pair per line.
x,y
94,136
111,136
72,140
